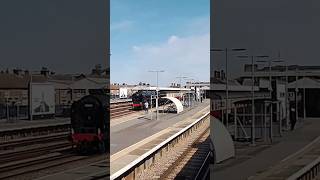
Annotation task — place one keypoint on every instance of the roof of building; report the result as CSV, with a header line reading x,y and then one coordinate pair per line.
x,y
305,83
13,81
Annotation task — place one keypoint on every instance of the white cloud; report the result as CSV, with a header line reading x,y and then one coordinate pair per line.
x,y
172,39
176,55
122,25
187,56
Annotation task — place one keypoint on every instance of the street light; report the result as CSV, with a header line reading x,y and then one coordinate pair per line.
x,y
252,91
279,60
296,93
157,90
226,50
190,88
181,77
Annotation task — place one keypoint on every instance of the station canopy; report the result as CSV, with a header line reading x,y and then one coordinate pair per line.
x,y
176,102
305,83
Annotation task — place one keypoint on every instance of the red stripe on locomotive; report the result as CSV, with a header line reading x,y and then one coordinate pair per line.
x,y
136,105
88,137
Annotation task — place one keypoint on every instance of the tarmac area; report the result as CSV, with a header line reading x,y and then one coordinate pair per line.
x,y
135,128
6,125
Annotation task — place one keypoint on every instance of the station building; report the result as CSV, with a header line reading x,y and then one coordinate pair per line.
x,y
67,88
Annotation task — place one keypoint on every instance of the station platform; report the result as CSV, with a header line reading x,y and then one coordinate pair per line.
x,y
140,126
133,138
113,101
252,162
26,124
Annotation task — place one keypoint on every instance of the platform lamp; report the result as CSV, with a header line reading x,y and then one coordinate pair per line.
x,y
279,60
226,50
253,96
181,77
157,90
189,97
286,88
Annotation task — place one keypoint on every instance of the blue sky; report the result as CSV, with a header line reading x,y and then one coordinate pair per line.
x,y
169,35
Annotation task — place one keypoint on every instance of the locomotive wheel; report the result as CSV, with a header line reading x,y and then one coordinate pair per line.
x,y
82,148
101,147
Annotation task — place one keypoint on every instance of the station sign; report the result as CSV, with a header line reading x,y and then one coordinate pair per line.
x,y
43,99
123,93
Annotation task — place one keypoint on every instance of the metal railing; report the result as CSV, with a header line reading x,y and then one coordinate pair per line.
x,y
131,170
309,172
204,171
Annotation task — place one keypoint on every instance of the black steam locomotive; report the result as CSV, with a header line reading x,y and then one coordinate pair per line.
x,y
142,96
89,123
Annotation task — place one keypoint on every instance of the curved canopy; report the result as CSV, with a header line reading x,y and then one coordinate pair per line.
x,y
177,103
222,141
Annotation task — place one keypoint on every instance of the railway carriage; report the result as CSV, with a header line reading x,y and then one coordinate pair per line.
x,y
142,96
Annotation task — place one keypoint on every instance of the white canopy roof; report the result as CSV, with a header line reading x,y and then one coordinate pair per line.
x,y
177,103
305,83
160,88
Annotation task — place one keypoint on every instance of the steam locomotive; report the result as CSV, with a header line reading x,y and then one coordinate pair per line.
x,y
89,124
142,96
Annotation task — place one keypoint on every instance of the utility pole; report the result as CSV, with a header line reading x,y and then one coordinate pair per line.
x,y
226,50
181,77
296,93
157,91
30,97
253,95
253,108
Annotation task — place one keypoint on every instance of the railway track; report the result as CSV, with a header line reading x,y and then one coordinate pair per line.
x,y
5,145
189,164
29,156
26,162
32,165
121,109
28,152
182,162
6,157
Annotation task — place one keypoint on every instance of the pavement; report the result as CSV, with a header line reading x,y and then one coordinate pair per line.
x,y
132,139
21,124
133,130
253,160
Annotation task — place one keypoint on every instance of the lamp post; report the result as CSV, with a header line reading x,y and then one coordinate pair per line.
x,y
296,92
30,97
286,91
253,96
189,92
277,60
226,50
157,91
181,77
